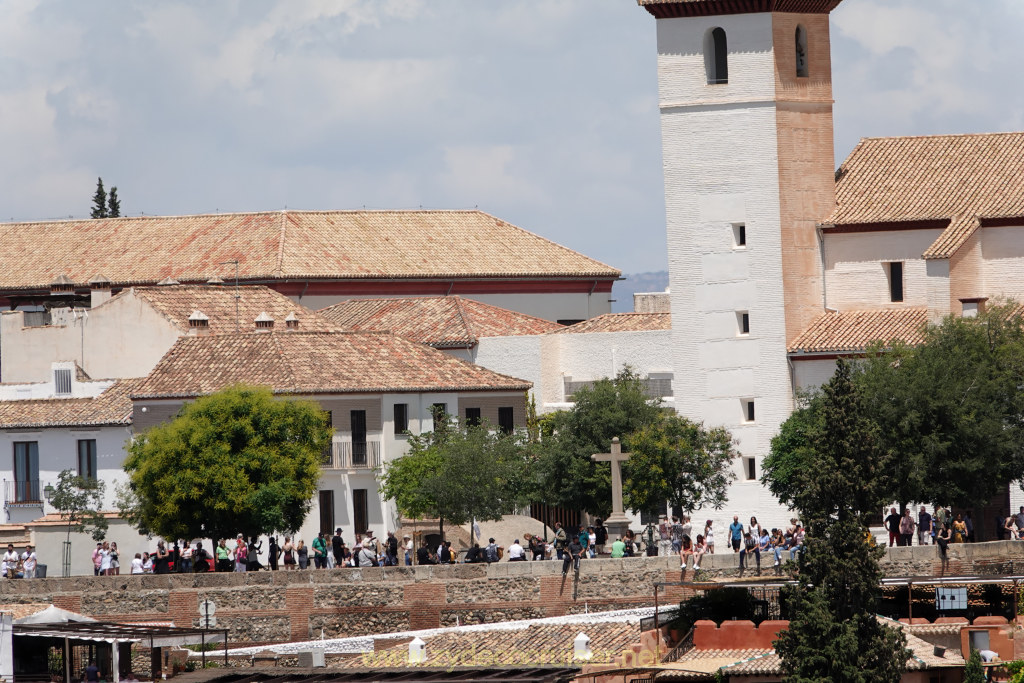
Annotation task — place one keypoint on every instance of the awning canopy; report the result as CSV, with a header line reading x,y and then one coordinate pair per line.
x,y
154,636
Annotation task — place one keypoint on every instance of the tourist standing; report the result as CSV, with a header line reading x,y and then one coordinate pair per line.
x,y
223,556
892,525
736,533
105,559
161,565
709,537
241,554
336,543
906,528
137,564
273,553
407,543
320,551
924,526
28,563
288,554
302,552
601,536
97,557
560,539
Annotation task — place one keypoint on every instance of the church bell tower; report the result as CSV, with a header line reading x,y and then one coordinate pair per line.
x,y
745,93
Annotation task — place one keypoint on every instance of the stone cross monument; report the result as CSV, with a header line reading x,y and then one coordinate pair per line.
x,y
617,523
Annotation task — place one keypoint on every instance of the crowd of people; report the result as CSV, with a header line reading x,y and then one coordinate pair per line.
x,y
15,565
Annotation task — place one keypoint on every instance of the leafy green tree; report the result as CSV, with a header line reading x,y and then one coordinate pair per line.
x,y
458,473
680,461
237,461
951,408
99,201
565,473
113,204
80,501
830,464
974,672
829,460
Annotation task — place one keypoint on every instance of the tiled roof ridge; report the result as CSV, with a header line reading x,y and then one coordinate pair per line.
x,y
224,214
551,242
470,333
282,237
940,136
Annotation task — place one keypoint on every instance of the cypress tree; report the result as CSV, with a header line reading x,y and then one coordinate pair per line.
x,y
99,201
113,203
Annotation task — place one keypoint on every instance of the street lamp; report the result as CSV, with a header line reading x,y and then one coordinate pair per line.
x,y
48,492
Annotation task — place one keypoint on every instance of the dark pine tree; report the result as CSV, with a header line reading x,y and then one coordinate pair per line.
x,y
99,201
113,203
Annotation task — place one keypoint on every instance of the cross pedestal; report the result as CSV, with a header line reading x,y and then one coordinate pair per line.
x,y
617,523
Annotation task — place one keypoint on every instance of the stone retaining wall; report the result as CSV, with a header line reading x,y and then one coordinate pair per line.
x,y
262,607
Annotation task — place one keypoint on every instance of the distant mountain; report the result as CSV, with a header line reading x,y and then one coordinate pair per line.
x,y
623,291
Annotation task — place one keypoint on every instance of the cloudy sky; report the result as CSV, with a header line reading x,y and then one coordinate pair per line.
x,y
542,112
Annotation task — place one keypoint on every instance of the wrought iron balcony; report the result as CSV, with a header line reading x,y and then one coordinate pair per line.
x,y
23,492
349,455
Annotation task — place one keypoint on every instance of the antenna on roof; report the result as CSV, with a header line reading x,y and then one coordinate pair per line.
x,y
237,297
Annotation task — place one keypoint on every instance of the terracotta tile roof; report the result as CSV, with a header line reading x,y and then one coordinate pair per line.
x,y
217,303
621,322
22,610
314,363
709,661
112,407
954,178
535,645
285,244
848,331
441,322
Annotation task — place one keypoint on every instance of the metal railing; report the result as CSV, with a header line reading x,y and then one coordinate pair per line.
x,y
349,455
680,649
22,492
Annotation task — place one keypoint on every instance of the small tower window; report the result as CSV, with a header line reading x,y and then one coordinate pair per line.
x,y
801,52
739,236
743,323
716,57
895,273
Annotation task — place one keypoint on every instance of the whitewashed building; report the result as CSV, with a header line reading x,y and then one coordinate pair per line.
x,y
375,386
778,262
83,427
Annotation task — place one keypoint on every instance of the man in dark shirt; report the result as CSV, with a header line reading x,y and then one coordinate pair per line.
x,y
423,555
92,672
336,544
572,556
924,526
892,525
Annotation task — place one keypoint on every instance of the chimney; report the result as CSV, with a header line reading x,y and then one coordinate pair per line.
x,y
99,288
292,321
167,281
198,323
973,307
62,286
264,322
581,647
417,651
215,281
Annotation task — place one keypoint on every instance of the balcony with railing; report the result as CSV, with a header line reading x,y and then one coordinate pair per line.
x,y
349,455
23,493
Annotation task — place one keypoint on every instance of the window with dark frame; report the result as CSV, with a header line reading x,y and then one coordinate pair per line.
x,y
327,512
748,410
740,235
62,381
473,417
360,511
716,57
87,458
895,281
749,469
401,418
26,471
506,419
743,318
801,52
358,422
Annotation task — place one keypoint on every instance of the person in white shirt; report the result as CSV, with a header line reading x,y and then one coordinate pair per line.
x,y
516,552
28,562
408,550
137,566
9,564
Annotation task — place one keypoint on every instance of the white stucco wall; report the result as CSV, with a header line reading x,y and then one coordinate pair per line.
x,y
1003,257
58,450
721,168
591,356
855,272
518,357
121,338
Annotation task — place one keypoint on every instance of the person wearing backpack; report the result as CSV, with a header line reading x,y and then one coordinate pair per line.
x,y
560,539
491,551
